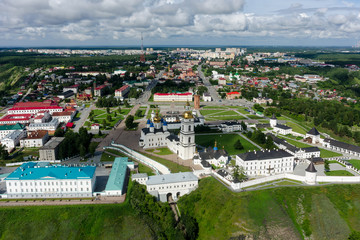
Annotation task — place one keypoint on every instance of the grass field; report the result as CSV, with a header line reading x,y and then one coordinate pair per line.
x,y
355,163
174,167
235,117
226,140
295,127
254,117
326,212
339,173
116,221
160,151
106,157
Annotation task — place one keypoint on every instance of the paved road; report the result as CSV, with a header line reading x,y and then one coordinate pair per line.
x,y
84,115
211,88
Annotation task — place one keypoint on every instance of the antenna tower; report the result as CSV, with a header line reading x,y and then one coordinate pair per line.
x,y
142,56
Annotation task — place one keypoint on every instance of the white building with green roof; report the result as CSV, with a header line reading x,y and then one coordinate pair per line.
x,y
7,129
118,178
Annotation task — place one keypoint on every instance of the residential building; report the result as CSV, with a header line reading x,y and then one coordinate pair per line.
x,y
35,139
99,91
11,140
6,129
42,180
230,126
170,187
121,92
48,126
233,95
50,150
64,117
261,100
17,118
34,107
73,88
66,94
173,97
267,162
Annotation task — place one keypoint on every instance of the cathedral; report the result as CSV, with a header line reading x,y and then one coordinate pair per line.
x,y
156,134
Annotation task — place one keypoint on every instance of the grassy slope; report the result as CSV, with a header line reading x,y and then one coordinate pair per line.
x,y
72,222
226,140
328,212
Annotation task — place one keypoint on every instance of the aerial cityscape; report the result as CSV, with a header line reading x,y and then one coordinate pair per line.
x,y
178,119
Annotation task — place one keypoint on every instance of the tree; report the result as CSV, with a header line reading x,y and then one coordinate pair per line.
x,y
238,145
92,148
4,154
326,166
108,117
129,122
243,126
59,132
239,174
82,151
269,144
104,123
119,110
127,105
108,110
138,113
355,235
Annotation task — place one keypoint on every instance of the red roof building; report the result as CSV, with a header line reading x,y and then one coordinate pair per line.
x,y
233,95
170,97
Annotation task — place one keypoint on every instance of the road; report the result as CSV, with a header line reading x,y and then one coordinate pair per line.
x,y
27,93
83,116
147,93
211,88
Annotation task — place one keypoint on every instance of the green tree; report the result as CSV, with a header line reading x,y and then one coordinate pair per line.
x,y
108,118
326,166
127,105
238,145
108,110
92,148
138,113
4,154
243,126
82,150
129,122
119,110
269,144
104,123
59,132
355,235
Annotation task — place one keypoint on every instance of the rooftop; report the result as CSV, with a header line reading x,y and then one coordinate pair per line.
x,y
117,175
171,178
264,155
53,143
17,126
45,171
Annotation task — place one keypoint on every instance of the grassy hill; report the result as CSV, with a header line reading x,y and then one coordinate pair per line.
x,y
9,75
327,212
72,222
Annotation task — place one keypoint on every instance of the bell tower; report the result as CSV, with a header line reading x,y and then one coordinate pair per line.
x,y
187,135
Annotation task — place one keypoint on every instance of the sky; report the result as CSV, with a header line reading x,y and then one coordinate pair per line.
x,y
26,23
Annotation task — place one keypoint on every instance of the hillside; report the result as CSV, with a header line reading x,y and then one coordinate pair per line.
x,y
117,221
10,75
327,212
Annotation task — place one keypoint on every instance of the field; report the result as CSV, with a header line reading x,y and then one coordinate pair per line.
x,y
295,127
226,140
223,113
116,221
279,213
160,151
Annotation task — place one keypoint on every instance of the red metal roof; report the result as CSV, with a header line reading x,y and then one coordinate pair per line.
x,y
122,88
69,124
231,93
170,94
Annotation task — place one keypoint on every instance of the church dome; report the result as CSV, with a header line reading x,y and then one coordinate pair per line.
x,y
188,115
157,119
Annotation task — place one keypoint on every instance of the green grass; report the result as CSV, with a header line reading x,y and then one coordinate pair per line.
x,y
336,162
296,128
296,143
235,117
339,173
254,117
174,167
106,157
223,113
207,112
160,151
113,221
226,140
215,107
355,163
325,212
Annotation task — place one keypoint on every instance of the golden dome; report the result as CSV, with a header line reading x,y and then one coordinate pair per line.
x,y
157,119
188,115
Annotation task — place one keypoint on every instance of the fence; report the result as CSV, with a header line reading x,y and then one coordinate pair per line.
x,y
158,167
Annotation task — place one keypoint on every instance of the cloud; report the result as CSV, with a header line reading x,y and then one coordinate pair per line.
x,y
103,20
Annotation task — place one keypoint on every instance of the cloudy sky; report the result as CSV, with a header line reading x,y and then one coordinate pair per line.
x,y
179,22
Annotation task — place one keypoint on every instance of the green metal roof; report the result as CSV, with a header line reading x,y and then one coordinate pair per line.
x,y
17,126
117,175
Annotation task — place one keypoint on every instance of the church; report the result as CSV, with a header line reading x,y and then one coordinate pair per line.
x,y
156,134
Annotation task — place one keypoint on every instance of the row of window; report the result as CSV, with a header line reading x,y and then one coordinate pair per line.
x,y
267,171
47,190
49,183
267,167
172,187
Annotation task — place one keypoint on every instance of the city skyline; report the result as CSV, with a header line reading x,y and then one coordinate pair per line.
x,y
175,22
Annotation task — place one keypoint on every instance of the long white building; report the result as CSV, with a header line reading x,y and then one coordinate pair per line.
x,y
42,180
173,97
265,163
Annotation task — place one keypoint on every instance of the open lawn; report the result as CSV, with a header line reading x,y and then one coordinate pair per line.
x,y
254,117
224,113
142,114
207,112
215,107
226,140
174,167
355,163
295,127
235,117
339,173
160,151
296,143
106,157
113,221
278,213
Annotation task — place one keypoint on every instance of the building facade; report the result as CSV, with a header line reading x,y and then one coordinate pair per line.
x,y
173,97
50,150
42,180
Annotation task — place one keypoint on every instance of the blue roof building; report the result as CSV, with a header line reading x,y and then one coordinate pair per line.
x,y
43,180
118,177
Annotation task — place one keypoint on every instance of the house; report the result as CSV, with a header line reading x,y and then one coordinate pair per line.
x,y
35,139
66,94
42,180
64,117
266,162
73,88
233,95
222,81
207,97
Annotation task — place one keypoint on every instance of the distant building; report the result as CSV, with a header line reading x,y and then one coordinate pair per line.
x,y
230,126
6,129
268,162
233,95
66,94
260,100
173,97
73,88
11,140
35,107
213,156
207,97
50,150
64,117
42,180
279,128
121,92
99,91
35,139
